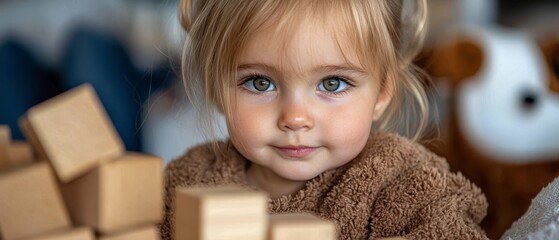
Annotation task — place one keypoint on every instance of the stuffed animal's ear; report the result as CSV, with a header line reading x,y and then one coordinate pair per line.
x,y
551,51
454,61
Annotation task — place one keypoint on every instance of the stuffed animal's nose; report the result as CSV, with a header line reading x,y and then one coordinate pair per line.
x,y
529,100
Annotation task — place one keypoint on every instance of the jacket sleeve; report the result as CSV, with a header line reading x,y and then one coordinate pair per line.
x,y
429,202
188,170
166,227
178,173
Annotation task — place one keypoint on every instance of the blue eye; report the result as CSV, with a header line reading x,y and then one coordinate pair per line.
x,y
259,84
333,85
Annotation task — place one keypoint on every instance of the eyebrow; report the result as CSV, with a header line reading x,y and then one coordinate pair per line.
x,y
341,68
322,68
265,67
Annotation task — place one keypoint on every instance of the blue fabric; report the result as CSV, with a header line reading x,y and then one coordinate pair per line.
x,y
24,82
90,57
100,60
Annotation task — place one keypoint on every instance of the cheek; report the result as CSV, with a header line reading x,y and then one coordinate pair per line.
x,y
351,125
248,125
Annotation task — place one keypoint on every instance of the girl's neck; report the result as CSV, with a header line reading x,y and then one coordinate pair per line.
x,y
275,185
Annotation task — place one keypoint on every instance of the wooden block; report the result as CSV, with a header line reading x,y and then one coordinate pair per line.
x,y
5,139
220,213
300,226
117,195
147,233
20,153
16,154
5,134
73,132
5,161
30,202
82,233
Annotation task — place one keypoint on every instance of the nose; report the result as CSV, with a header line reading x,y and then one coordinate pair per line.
x,y
529,100
295,116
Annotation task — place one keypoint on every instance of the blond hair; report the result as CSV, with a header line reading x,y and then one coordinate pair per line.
x,y
385,34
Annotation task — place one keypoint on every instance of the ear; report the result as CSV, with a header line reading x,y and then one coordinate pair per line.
x,y
383,100
550,50
455,61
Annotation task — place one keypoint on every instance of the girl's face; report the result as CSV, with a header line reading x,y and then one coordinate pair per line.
x,y
301,108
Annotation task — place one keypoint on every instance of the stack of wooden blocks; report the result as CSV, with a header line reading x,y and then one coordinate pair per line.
x,y
74,180
230,212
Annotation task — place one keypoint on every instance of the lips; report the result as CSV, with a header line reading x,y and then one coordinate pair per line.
x,y
296,151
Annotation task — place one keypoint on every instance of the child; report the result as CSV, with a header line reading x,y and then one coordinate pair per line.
x,y
310,90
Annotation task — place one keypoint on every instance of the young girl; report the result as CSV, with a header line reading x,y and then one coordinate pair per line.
x,y
310,90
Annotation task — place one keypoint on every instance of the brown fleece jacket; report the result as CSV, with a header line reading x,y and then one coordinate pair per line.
x,y
393,188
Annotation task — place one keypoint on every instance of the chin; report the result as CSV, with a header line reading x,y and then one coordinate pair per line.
x,y
298,174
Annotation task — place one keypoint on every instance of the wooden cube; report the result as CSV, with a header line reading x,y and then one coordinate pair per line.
x,y
5,134
20,153
146,233
220,213
15,154
5,161
82,233
119,194
5,139
30,202
73,132
300,226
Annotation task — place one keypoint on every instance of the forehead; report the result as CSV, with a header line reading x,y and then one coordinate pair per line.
x,y
302,41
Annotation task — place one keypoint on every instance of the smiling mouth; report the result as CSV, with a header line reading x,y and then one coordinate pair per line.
x,y
296,151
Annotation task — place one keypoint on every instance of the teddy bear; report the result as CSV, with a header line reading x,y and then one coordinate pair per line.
x,y
499,124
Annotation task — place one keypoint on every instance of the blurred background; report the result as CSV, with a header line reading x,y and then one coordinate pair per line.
x,y
129,50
